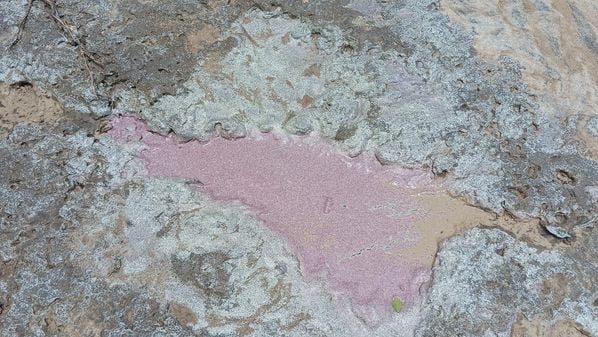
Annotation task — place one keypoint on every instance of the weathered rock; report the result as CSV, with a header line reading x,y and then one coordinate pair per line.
x,y
499,99
484,279
52,193
413,91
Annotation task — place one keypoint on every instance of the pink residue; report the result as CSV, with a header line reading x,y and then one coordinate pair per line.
x,y
345,218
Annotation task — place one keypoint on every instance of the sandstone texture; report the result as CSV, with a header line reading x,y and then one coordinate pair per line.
x,y
498,103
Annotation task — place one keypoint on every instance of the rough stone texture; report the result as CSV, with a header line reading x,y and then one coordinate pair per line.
x,y
414,108
499,100
52,192
144,49
555,42
484,278
421,98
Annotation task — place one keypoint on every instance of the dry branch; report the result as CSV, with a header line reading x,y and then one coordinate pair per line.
x,y
22,24
70,34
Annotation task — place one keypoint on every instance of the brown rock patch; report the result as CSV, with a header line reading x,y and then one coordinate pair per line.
x,y
183,314
198,40
313,70
23,103
306,101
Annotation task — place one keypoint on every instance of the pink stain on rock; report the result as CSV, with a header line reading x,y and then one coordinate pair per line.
x,y
345,218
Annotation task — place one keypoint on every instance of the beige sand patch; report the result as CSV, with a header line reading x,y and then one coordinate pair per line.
x,y
24,103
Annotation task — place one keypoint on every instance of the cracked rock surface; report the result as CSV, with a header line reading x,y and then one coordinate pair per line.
x,y
497,101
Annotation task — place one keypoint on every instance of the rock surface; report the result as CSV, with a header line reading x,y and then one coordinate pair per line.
x,y
497,101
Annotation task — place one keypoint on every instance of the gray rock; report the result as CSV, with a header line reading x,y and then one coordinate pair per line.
x,y
89,246
484,278
397,79
593,126
53,198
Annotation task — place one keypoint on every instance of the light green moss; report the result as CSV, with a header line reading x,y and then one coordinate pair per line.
x,y
397,304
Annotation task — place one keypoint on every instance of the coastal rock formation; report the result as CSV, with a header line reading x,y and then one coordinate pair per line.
x,y
488,112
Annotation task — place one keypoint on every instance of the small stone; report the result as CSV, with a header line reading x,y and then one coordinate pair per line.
x,y
593,126
559,232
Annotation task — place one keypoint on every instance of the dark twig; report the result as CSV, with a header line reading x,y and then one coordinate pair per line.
x,y
70,35
21,27
74,40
